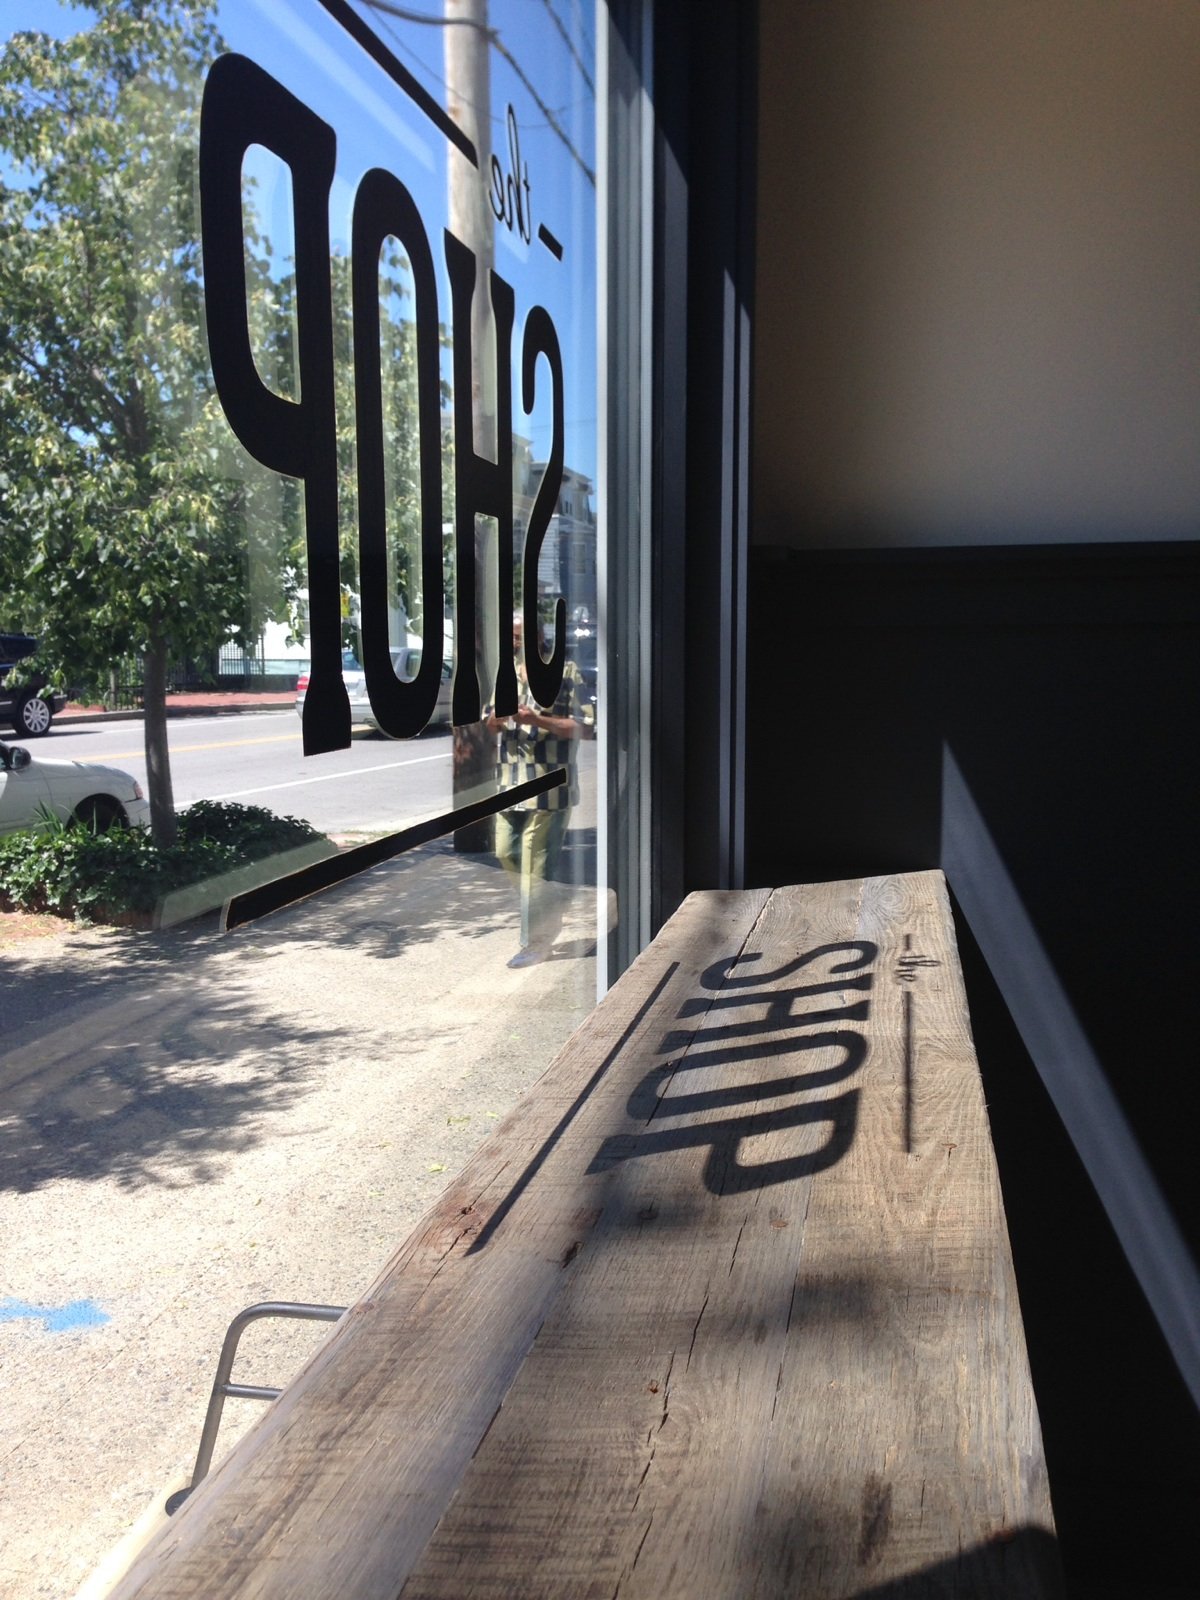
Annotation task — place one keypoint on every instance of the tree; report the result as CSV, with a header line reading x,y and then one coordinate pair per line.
x,y
129,522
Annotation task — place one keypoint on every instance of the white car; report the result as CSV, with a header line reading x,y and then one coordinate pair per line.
x,y
83,790
406,662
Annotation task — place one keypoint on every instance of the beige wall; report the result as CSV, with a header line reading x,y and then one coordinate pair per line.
x,y
978,294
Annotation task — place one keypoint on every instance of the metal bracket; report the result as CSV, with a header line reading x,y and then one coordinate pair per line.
x,y
223,1387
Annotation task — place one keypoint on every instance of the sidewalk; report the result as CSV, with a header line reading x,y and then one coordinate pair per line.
x,y
196,1122
205,703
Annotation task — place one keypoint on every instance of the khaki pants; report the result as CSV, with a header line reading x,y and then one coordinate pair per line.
x,y
529,844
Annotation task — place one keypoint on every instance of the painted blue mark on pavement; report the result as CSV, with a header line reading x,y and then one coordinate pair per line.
x,y
55,1319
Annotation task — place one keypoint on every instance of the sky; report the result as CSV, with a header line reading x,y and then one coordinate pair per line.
x,y
550,42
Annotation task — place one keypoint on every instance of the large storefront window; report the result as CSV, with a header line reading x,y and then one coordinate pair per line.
x,y
318,392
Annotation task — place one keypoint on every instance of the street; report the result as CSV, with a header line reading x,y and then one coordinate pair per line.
x,y
256,758
376,786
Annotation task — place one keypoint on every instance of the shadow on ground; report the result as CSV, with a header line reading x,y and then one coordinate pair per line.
x,y
149,1090
416,899
152,1057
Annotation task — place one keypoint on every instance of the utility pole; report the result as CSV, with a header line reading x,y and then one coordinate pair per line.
x,y
468,102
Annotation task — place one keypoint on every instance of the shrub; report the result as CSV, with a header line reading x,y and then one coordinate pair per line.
x,y
252,831
72,869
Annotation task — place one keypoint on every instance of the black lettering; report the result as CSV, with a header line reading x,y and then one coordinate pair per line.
x,y
243,105
521,210
545,677
497,192
481,487
645,1102
508,204
853,1048
383,208
779,1015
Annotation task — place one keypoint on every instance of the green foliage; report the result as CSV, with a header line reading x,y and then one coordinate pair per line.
x,y
131,523
121,502
398,378
130,514
250,831
95,875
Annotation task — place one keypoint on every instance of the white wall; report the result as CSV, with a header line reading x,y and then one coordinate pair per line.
x,y
978,294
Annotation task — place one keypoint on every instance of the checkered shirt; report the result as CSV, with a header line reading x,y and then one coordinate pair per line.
x,y
527,753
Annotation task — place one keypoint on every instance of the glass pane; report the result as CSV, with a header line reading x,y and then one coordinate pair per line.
x,y
302,556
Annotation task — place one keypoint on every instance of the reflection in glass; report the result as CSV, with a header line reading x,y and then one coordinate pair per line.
x,y
338,1061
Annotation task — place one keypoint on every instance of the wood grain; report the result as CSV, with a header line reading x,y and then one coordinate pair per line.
x,y
337,1490
725,1309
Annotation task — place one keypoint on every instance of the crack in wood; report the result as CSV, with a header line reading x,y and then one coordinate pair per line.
x,y
695,1331
667,1391
651,1437
629,1569
462,1234
736,1243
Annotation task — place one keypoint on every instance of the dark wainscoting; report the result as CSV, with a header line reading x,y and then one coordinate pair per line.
x,y
1059,687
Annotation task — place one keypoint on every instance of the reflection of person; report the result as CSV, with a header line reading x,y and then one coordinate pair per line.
x,y
529,836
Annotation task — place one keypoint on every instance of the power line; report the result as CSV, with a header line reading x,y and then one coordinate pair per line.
x,y
580,25
570,44
494,39
430,72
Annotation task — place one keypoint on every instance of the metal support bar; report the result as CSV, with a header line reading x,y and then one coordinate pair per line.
x,y
223,1387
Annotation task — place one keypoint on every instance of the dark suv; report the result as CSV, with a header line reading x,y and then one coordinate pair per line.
x,y
31,707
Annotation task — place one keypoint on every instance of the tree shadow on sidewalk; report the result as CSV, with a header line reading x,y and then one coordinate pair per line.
x,y
152,1087
43,980
415,899
154,1057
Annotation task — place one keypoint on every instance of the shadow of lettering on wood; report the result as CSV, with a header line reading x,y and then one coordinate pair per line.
x,y
757,1004
907,971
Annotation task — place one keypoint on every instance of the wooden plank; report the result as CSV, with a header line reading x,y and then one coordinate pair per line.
x,y
337,1491
774,1372
929,1452
725,1309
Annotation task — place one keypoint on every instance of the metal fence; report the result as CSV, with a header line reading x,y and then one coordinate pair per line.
x,y
231,668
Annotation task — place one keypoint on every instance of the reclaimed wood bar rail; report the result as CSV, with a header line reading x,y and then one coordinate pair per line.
x,y
725,1308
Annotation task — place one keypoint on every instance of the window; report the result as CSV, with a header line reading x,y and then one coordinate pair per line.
x,y
357,318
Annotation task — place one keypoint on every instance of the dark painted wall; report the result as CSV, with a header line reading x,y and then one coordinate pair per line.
x,y
973,637
1066,685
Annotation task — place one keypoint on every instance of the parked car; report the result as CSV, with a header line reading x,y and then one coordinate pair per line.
x,y
30,708
82,791
406,661
581,649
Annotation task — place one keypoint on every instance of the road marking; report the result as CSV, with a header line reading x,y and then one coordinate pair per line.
x,y
55,1319
355,772
223,744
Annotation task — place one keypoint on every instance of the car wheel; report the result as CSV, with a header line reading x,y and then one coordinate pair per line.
x,y
100,812
33,716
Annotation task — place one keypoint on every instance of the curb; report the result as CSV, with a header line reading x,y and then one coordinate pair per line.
x,y
77,718
120,1558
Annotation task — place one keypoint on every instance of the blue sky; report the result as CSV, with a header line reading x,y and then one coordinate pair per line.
x,y
378,125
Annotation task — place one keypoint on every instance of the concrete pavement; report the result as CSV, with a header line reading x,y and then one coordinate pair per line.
x,y
190,1123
